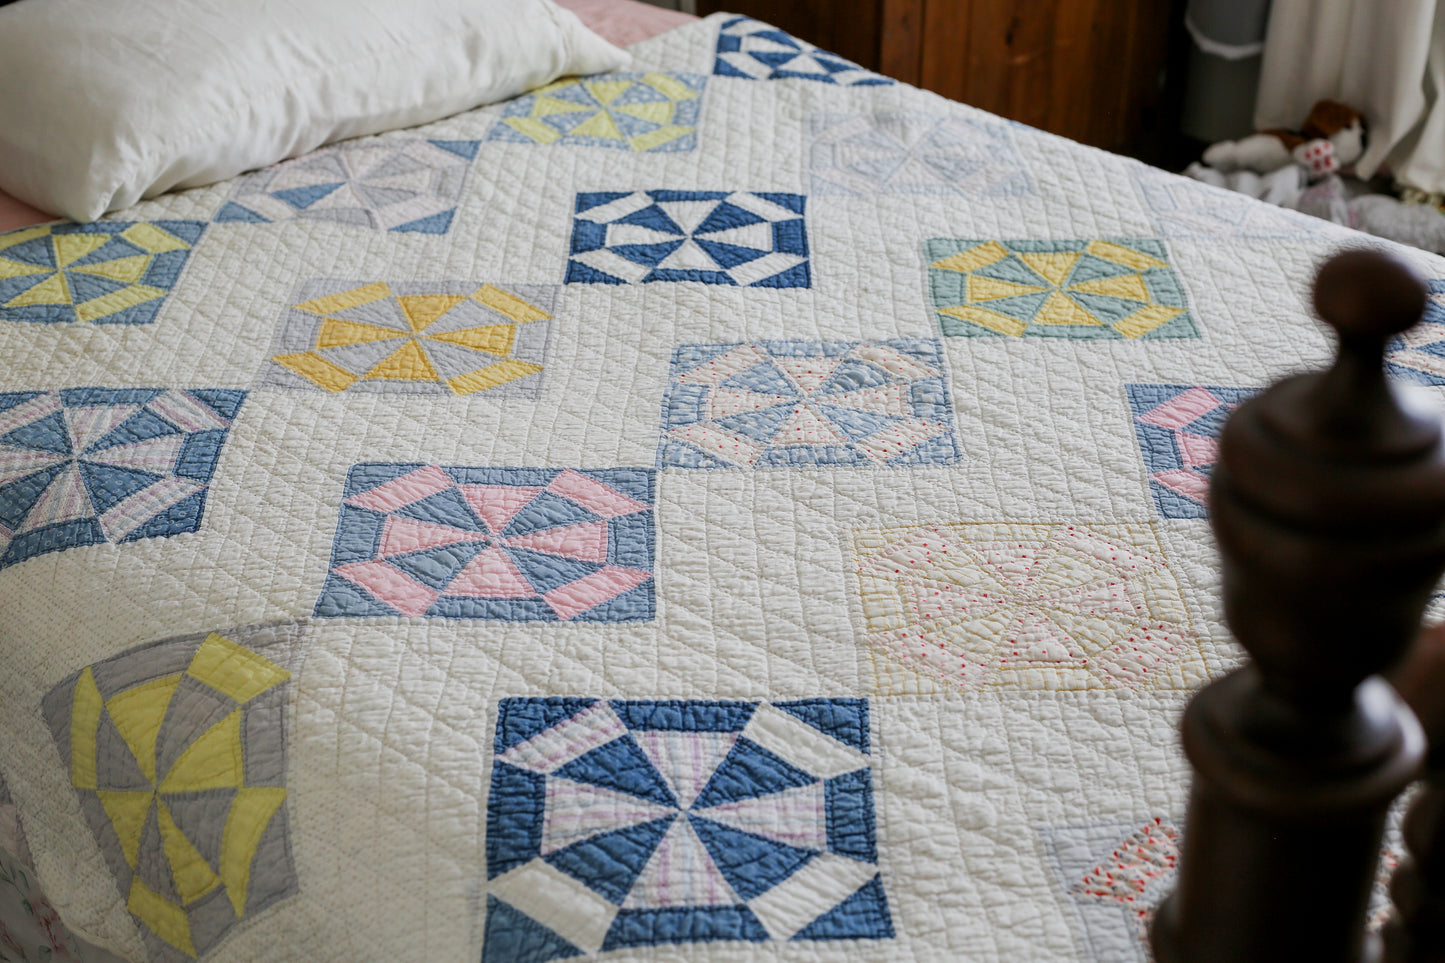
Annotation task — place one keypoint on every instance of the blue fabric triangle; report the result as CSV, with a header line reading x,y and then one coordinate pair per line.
x,y
750,771
113,249
513,937
729,256
446,507
763,378
516,808
622,766
303,197
231,211
751,864
225,402
579,273
109,486
188,231
434,224
37,251
852,375
436,567
466,149
684,716
547,511
760,425
648,255
590,199
676,454
653,217
87,287
20,495
864,915
724,69
849,805
45,434
684,924
1091,268
844,719
1107,309
771,58
611,862
183,516
727,215
520,719
857,424
140,426
797,276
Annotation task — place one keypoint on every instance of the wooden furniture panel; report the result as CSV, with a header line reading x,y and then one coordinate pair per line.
x,y
1086,69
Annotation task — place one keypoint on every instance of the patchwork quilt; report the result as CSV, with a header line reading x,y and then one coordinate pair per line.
x,y
739,508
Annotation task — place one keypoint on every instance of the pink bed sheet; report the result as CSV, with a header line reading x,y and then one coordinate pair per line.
x,y
624,22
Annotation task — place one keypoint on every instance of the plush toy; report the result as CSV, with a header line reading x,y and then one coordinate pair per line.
x,y
1333,136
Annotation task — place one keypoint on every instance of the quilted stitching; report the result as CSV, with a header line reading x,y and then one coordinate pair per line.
x,y
754,593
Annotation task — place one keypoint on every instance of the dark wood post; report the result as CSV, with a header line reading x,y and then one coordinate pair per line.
x,y
1328,504
1416,933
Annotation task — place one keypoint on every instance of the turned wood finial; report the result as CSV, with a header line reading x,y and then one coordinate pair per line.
x,y
1328,505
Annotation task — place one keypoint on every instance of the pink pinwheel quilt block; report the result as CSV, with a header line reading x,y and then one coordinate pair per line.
x,y
516,544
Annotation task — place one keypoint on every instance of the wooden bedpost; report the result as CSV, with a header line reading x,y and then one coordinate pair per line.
x,y
1416,933
1328,504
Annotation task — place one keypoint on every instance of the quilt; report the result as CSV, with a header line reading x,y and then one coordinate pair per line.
x,y
737,508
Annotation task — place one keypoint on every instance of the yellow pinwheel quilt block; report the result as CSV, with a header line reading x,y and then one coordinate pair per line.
x,y
109,272
1102,288
415,337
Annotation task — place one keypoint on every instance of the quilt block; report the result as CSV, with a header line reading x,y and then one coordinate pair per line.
x,y
1178,428
1115,288
640,112
518,544
1182,208
715,237
753,50
774,404
421,337
108,272
913,152
1033,606
1418,355
82,466
396,185
177,751
635,823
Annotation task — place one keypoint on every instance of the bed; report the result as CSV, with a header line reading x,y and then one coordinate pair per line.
x,y
746,509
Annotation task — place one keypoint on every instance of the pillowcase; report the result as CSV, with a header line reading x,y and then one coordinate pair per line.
x,y
104,102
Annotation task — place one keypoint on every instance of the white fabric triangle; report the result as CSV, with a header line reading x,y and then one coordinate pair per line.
x,y
65,500
686,760
688,257
680,873
808,428
688,214
809,373
90,423
797,817
156,455
577,810
19,462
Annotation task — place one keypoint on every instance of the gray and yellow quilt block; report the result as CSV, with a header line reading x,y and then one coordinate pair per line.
x,y
417,337
177,750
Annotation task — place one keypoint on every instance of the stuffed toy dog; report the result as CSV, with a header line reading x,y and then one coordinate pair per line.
x,y
1333,137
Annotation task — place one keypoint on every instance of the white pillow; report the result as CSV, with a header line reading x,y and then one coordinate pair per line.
x,y
104,102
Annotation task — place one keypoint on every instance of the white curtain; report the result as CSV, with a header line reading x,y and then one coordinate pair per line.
x,y
1385,58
